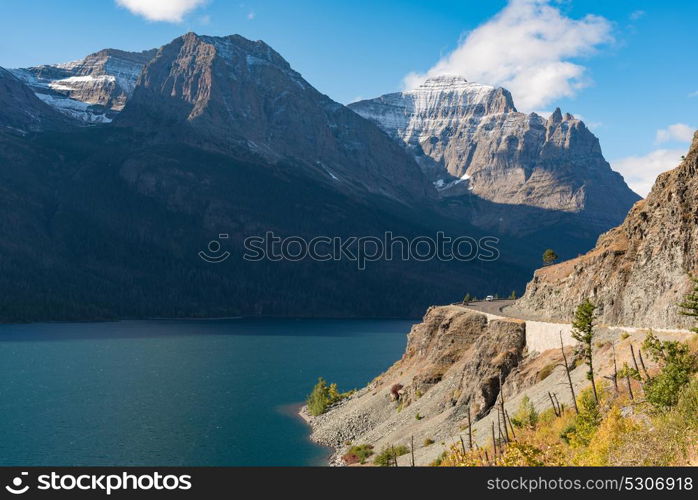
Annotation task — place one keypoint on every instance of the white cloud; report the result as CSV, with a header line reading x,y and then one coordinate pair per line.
x,y
693,94
637,15
679,132
640,172
525,48
161,10
251,15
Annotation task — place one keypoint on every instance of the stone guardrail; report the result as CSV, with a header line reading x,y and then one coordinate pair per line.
x,y
540,335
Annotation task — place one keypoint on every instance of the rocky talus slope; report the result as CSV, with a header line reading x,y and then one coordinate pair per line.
x,y
453,364
639,271
471,141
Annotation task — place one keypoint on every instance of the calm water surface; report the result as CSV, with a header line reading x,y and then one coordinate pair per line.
x,y
167,392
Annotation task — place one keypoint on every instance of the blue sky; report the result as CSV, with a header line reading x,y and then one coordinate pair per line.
x,y
629,71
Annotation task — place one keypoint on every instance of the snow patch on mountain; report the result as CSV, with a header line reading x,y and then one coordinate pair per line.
x,y
93,89
75,109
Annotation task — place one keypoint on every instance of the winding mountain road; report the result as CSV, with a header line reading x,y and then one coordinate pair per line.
x,y
493,307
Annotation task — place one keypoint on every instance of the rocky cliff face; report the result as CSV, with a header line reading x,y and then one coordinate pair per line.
x,y
234,93
639,271
22,111
93,89
470,140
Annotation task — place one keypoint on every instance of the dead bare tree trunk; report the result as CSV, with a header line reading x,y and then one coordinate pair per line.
x,y
627,378
513,434
615,368
501,407
470,430
552,402
642,363
559,406
494,443
412,448
569,377
632,351
462,444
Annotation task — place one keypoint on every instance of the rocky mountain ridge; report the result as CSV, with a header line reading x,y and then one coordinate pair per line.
x,y
238,94
219,136
447,124
639,271
471,141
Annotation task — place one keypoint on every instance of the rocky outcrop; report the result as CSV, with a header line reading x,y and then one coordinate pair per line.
x,y
639,271
232,93
22,111
473,143
454,360
93,89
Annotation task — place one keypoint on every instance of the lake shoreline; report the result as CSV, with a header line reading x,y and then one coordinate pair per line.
x,y
298,412
231,389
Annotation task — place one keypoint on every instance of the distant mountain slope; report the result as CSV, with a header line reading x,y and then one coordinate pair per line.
x,y
93,89
639,271
21,111
471,141
233,93
220,136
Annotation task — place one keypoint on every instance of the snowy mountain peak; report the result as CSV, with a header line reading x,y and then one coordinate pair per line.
x,y
93,89
462,131
444,80
438,107
457,93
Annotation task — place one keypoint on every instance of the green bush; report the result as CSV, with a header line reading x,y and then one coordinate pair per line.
x,y
387,456
568,432
687,406
546,371
439,460
526,415
677,365
323,396
428,442
579,432
358,454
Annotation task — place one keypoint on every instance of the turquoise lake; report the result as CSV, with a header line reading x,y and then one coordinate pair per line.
x,y
166,392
